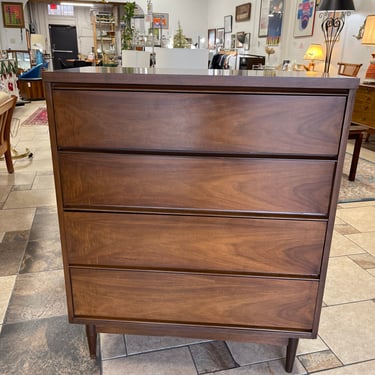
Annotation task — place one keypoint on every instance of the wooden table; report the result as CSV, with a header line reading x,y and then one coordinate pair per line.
x,y
197,203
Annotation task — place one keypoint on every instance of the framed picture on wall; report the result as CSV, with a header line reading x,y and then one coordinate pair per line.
x,y
220,37
228,24
233,41
243,12
275,21
13,15
161,20
304,18
247,41
211,38
228,41
263,18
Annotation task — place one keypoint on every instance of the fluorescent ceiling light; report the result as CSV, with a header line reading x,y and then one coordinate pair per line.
x,y
78,4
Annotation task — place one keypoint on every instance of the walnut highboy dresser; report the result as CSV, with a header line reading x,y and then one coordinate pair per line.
x,y
197,204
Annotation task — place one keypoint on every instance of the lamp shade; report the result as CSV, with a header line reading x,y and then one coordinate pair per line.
x,y
369,33
314,52
336,5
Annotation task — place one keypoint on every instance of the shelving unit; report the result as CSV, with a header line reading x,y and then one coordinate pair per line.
x,y
104,34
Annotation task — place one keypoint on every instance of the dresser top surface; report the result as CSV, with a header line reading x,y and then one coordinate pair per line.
x,y
197,77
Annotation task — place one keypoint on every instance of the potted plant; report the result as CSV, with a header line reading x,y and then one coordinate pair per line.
x,y
127,33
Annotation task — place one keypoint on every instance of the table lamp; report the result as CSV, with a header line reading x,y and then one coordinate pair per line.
x,y
369,38
314,52
333,23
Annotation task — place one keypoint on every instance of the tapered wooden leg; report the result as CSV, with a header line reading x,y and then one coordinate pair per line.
x,y
8,161
291,351
355,157
91,339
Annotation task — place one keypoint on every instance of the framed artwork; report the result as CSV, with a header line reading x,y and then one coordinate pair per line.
x,y
13,15
228,24
275,22
247,41
211,38
233,41
161,20
220,37
243,12
263,18
240,39
304,18
228,41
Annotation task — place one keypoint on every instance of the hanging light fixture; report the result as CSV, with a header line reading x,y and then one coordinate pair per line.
x,y
333,23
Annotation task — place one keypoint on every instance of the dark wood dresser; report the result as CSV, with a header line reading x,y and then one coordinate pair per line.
x,y
197,204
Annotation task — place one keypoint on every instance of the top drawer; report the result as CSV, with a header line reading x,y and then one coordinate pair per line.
x,y
235,123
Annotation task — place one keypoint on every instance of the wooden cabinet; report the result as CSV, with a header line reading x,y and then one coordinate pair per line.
x,y
364,107
195,204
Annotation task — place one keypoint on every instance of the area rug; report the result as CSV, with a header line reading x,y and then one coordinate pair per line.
x,y
38,117
363,187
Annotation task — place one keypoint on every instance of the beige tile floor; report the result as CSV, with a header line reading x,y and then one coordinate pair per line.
x,y
35,337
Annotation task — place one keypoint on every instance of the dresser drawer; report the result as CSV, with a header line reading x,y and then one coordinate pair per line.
x,y
196,183
194,298
199,122
287,247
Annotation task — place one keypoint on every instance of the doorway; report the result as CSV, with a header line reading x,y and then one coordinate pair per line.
x,y
64,45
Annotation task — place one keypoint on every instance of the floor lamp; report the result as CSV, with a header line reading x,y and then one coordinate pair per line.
x,y
333,23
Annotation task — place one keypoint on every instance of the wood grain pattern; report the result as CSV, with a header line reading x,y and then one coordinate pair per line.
x,y
199,122
194,298
234,184
195,243
194,203
364,106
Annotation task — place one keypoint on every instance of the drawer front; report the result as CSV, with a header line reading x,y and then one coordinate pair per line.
x,y
199,122
287,247
194,298
196,183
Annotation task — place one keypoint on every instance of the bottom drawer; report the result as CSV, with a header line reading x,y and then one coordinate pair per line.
x,y
286,304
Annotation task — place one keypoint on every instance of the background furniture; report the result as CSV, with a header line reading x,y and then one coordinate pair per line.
x,y
181,58
168,194
6,114
356,132
348,69
135,59
356,129
30,84
104,31
364,108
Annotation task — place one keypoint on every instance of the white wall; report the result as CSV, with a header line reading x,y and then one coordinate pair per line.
x,y
12,37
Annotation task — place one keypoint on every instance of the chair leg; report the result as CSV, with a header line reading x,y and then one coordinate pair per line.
x,y
355,157
8,161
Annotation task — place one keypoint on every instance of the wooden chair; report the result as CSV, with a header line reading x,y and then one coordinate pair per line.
x,y
6,114
348,69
